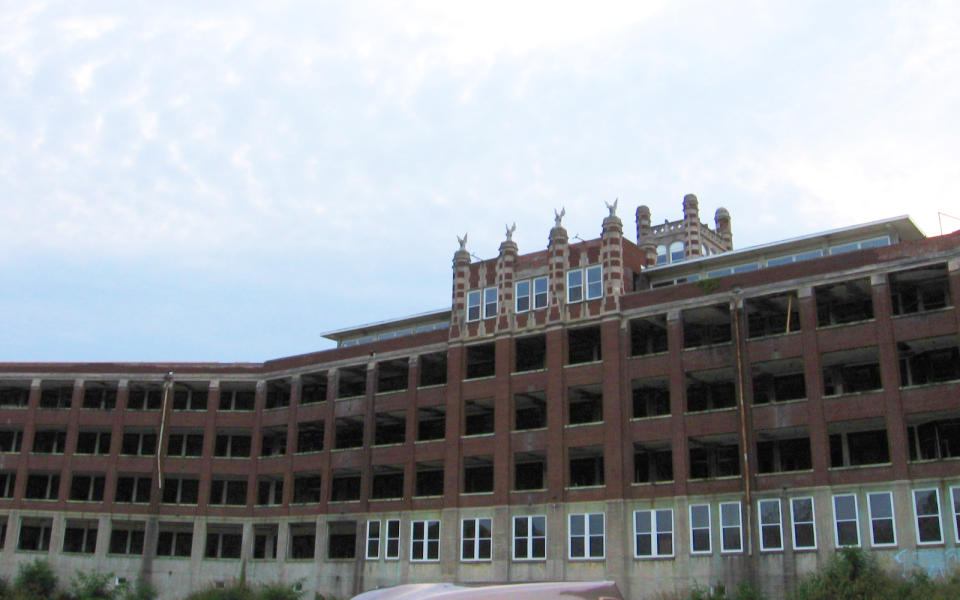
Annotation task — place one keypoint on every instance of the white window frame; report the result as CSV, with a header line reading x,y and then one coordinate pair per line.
x,y
917,516
663,255
424,539
955,511
529,538
373,538
587,535
571,297
390,533
593,278
812,523
526,296
676,247
654,532
836,521
762,524
474,304
873,519
537,295
694,528
477,539
488,312
724,526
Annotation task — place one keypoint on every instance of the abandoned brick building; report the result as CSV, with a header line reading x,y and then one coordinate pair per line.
x,y
659,413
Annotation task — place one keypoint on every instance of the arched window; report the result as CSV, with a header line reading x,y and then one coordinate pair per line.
x,y
676,252
661,255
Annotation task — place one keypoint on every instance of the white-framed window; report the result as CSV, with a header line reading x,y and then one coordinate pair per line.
x,y
531,294
880,511
846,520
771,525
575,285
653,533
955,511
425,541
676,252
476,539
926,509
473,305
701,541
803,517
539,293
522,295
489,302
586,536
661,255
594,282
731,527
530,537
391,547
373,540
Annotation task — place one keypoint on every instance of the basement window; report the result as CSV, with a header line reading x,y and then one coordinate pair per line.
x,y
269,490
126,537
265,541
586,466
851,371
919,290
190,397
779,381
80,536
97,395
583,345
772,315
273,441
429,479
648,335
392,375
481,360
933,437
390,428
228,492
652,462
531,353
144,396
345,485
14,394
784,450
313,388
651,397
844,302
56,394
237,396
530,411
352,382
223,541
348,432
585,404
307,488
303,540
477,474
278,393
310,436
433,369
927,361
431,423
712,457
175,539
529,471
857,443
478,417
387,482
341,540
711,390
706,326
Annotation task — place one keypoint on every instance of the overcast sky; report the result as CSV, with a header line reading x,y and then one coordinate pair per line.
x,y
223,181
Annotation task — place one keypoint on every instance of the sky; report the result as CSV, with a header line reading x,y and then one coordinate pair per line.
x,y
225,181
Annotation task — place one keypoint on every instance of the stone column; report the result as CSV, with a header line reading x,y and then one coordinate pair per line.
x,y
691,227
506,265
557,257
645,236
461,271
611,258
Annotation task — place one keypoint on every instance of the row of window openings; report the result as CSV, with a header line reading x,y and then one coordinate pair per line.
x,y
532,294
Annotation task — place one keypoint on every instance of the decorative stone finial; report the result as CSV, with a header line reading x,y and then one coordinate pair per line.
x,y
463,241
612,207
510,230
557,216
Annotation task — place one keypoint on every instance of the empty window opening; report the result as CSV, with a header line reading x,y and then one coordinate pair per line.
x,y
131,488
387,483
341,539
530,410
783,450
714,457
278,393
232,445
237,396
144,396
433,369
652,462
478,417
14,394
481,360
99,395
851,371
529,471
185,444
648,335
303,540
477,474
307,488
310,436
190,396
93,442
313,388
273,441
87,488
348,432
181,490
844,302
345,485
265,541
138,443
126,537
42,486
352,382
390,428
585,404
56,394
11,440
392,375
706,326
429,479
772,315
175,539
223,541
232,492
779,381
8,481
918,290
531,353
35,535
269,490
858,443
933,437
711,390
651,397
586,466
934,360
431,423
49,441
583,345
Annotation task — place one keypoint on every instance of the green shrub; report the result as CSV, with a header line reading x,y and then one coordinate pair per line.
x,y
35,581
93,586
140,590
278,591
851,574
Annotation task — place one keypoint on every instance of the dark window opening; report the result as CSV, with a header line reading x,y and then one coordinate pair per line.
x,y
772,315
131,489
783,454
35,535
390,428
709,459
530,410
144,396
232,445
711,390
307,488
934,440
651,397
126,538
919,290
180,490
138,444
99,395
854,448
13,395
11,440
49,441
278,393
310,436
231,492
477,474
583,345
190,397
478,417
348,432
481,360
845,302
237,397
313,388
529,471
429,479
929,361
269,490
265,541
648,335
42,487
352,382
56,394
652,462
851,371
706,326
341,539
80,537
273,441
93,442
586,466
303,540
778,381
433,369
345,485
531,353
175,540
8,481
223,542
431,423
87,488
387,483
392,375
585,404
